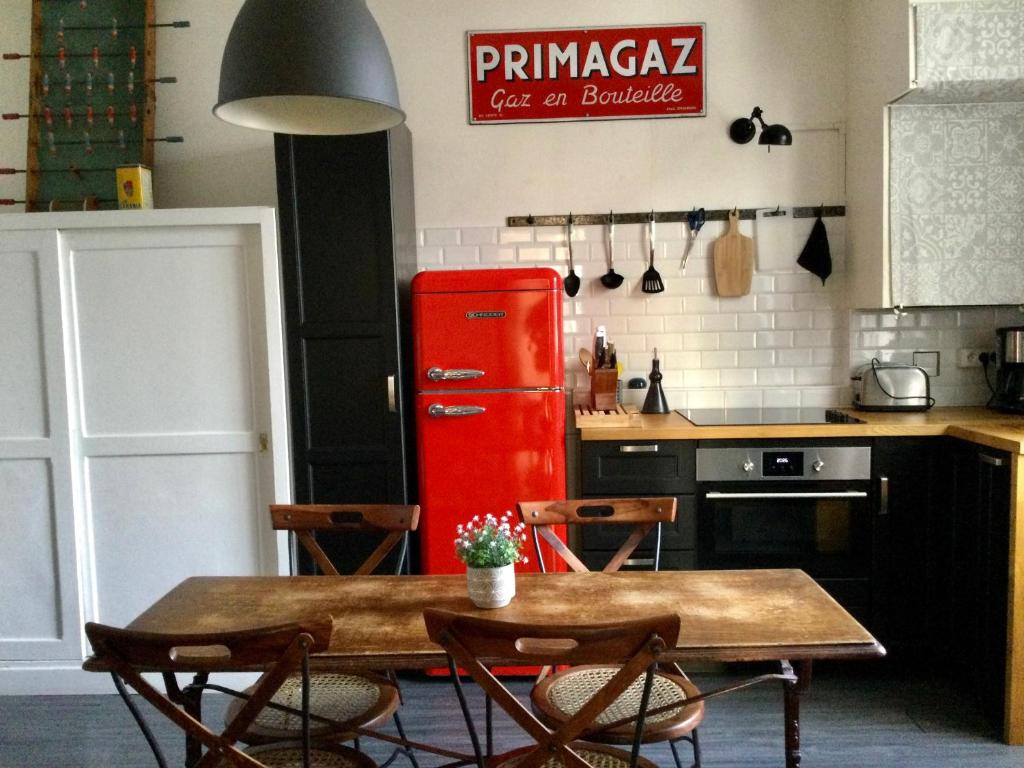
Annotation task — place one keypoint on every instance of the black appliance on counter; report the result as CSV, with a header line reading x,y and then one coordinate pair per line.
x,y
1009,392
789,504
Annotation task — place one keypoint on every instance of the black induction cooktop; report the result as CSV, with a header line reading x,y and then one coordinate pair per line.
x,y
718,417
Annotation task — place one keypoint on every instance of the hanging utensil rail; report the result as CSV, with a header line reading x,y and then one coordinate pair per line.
x,y
582,219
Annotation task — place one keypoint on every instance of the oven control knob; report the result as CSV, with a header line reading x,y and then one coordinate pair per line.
x,y
748,466
818,465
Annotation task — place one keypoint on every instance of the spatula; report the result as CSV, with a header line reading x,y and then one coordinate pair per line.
x,y
734,260
652,282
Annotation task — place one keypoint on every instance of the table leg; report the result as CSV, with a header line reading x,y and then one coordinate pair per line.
x,y
191,699
801,670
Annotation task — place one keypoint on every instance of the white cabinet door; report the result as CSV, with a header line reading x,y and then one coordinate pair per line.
x,y
171,400
40,615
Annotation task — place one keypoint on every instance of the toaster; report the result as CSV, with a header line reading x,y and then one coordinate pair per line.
x,y
881,386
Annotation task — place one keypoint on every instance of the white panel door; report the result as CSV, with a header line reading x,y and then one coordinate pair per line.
x,y
40,618
170,342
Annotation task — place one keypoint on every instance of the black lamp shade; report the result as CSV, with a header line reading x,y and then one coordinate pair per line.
x,y
308,67
776,135
742,130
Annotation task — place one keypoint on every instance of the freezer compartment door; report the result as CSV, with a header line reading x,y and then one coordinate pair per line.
x,y
484,461
488,340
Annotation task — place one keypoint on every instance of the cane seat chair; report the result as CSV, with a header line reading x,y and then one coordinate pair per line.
x,y
362,700
633,647
558,696
276,651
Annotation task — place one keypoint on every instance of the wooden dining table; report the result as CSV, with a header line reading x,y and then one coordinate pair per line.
x,y
726,616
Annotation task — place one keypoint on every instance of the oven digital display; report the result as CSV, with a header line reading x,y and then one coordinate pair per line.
x,y
782,464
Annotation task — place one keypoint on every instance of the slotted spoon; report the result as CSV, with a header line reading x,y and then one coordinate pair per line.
x,y
652,282
610,279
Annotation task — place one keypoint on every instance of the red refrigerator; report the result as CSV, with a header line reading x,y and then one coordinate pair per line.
x,y
490,400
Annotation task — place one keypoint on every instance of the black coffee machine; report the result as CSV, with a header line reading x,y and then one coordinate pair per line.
x,y
1009,394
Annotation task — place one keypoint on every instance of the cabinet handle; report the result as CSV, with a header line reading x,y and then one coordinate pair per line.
x,y
992,461
392,404
437,410
454,374
638,448
883,496
788,495
637,562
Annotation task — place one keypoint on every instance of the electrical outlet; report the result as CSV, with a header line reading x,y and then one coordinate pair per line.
x,y
969,358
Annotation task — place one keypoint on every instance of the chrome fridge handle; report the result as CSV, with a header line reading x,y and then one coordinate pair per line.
x,y
437,410
453,374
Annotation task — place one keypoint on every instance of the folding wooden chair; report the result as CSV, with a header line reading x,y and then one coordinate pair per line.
x,y
559,696
360,700
276,651
473,643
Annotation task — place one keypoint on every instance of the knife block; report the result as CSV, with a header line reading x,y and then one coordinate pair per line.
x,y
603,389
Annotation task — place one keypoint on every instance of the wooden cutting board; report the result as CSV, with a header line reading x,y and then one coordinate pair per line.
x,y
734,260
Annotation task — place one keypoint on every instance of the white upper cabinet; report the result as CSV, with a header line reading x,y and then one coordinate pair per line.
x,y
935,177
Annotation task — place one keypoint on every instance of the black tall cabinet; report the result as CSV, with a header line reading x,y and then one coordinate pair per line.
x,y
348,250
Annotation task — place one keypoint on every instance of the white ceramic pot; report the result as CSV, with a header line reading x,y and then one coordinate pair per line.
x,y
491,587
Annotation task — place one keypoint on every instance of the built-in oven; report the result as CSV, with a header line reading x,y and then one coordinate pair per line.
x,y
806,506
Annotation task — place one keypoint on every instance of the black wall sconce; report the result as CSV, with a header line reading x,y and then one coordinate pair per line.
x,y
743,130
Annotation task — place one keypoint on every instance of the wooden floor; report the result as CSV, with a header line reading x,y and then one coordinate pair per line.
x,y
847,723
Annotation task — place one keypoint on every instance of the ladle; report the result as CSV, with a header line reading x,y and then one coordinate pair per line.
x,y
610,279
572,280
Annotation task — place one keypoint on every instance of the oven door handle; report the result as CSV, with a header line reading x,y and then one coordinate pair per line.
x,y
789,495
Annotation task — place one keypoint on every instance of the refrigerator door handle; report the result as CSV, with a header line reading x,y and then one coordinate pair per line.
x,y
453,374
436,410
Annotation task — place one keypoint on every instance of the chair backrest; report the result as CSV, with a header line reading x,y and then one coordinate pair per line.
x,y
643,514
275,651
473,643
394,520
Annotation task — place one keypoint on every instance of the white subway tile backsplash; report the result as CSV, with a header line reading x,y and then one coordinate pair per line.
x,y
461,254
441,237
737,340
682,323
665,341
795,358
479,236
700,341
758,321
535,253
720,359
774,377
701,304
743,398
756,358
792,321
497,254
782,398
790,342
774,302
726,322
646,324
739,377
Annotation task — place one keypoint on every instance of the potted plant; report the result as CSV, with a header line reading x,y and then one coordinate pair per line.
x,y
490,548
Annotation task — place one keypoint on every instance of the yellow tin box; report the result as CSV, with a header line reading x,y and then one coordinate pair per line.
x,y
134,186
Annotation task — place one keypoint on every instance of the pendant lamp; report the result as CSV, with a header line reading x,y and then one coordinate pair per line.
x,y
308,67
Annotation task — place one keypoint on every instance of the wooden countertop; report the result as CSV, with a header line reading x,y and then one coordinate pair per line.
x,y
975,424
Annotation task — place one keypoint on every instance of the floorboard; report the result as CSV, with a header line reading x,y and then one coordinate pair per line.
x,y
848,722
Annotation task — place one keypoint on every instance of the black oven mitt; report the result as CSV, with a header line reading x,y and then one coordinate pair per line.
x,y
816,256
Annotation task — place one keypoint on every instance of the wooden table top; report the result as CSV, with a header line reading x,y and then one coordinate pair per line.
x,y
726,615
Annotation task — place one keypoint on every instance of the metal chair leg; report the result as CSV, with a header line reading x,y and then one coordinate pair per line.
x,y
407,750
140,720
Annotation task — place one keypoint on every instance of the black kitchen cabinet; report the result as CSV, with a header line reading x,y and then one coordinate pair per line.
x,y
910,533
640,468
348,252
979,580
